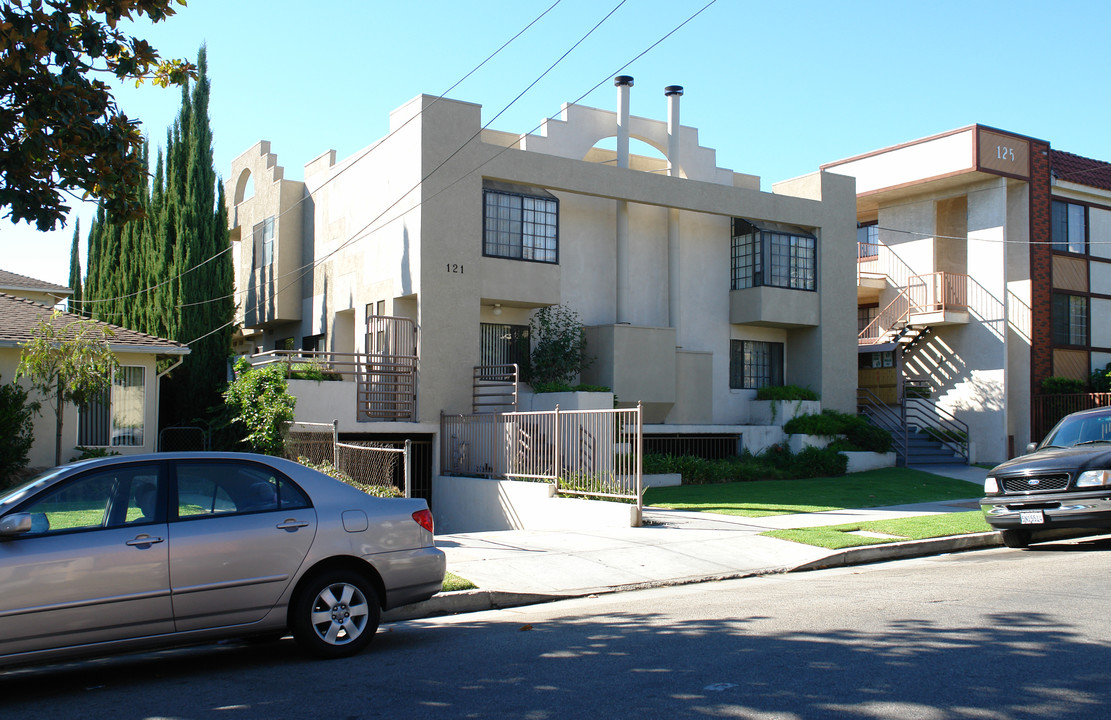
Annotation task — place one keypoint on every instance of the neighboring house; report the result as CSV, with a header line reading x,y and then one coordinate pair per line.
x,y
127,422
40,291
422,257
984,268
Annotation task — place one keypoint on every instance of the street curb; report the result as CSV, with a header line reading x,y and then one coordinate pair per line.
x,y
901,550
468,601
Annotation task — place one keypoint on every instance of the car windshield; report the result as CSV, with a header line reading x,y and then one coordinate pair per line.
x,y
13,495
1081,430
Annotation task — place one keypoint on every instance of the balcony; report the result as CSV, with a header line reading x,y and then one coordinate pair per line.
x,y
774,307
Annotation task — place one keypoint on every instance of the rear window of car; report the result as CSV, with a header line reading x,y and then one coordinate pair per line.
x,y
206,489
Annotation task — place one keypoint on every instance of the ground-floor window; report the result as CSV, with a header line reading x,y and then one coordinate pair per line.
x,y
116,417
1070,319
754,364
503,344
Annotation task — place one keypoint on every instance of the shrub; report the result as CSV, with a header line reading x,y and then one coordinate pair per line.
x,y
548,387
1100,380
386,491
312,371
819,462
258,400
559,354
785,392
88,453
827,423
1057,385
859,434
17,419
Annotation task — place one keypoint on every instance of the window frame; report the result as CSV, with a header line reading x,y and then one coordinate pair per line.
x,y
772,255
280,478
156,468
1066,320
1071,213
515,233
109,409
744,376
263,234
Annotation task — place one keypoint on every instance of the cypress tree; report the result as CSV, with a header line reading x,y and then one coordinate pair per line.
x,y
75,269
157,258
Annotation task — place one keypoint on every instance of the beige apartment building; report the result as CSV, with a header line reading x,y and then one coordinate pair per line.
x,y
984,268
422,257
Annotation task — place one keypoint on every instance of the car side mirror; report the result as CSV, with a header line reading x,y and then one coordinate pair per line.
x,y
15,524
1031,448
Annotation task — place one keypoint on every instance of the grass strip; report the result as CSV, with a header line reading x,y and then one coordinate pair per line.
x,y
760,498
454,582
835,537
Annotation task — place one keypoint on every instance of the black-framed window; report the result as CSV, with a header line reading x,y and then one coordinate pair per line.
x,y
503,344
772,255
1068,225
1070,319
754,364
520,226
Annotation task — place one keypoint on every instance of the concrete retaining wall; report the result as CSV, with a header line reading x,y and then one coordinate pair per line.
x,y
463,504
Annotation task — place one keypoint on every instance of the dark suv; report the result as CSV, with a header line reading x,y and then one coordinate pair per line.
x,y
1065,482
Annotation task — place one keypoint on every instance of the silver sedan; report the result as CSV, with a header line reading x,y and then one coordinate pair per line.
x,y
128,553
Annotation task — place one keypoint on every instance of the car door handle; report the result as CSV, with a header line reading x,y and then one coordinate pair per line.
x,y
292,524
144,540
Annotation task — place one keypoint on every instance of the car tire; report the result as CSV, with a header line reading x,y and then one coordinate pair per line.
x,y
335,614
1019,539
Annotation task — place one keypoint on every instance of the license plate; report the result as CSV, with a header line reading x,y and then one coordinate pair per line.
x,y
1031,517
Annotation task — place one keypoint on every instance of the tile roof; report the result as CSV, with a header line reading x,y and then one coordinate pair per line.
x,y
1081,170
11,281
19,316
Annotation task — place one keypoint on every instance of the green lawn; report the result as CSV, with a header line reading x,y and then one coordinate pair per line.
x,y
454,582
913,528
874,488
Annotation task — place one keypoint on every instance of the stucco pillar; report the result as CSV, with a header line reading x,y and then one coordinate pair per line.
x,y
623,83
674,277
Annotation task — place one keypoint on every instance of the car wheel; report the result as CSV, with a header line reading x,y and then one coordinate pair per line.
x,y
1016,538
335,614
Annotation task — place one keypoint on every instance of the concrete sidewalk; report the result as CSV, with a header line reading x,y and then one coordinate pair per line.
x,y
515,567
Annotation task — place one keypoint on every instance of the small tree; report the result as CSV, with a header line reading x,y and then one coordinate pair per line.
x,y
17,419
258,399
67,362
559,352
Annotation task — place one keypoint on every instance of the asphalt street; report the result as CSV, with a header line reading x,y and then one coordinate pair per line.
x,y
999,634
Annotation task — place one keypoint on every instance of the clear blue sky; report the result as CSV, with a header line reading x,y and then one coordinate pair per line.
x,y
777,88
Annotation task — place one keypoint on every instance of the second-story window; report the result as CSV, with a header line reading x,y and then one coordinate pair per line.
x,y
1070,319
1067,224
520,223
264,243
771,254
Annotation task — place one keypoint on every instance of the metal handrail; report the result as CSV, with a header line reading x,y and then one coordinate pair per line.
x,y
494,388
886,320
880,413
948,429
938,292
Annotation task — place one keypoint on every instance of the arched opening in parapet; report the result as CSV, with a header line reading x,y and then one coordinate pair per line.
x,y
643,156
244,187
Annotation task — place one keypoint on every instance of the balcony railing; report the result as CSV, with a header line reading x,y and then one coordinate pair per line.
x,y
938,292
494,388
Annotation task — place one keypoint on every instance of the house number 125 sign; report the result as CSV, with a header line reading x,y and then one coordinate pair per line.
x,y
1004,154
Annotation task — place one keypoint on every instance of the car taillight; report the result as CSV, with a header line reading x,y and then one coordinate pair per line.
x,y
424,519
